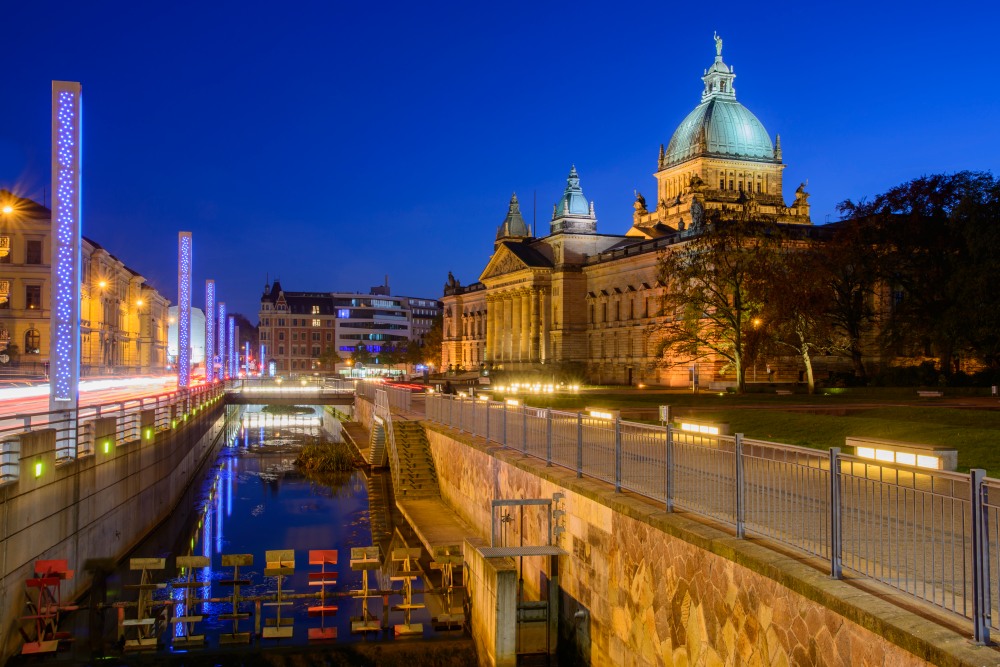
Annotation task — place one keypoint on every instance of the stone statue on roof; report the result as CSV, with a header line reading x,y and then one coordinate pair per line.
x,y
718,44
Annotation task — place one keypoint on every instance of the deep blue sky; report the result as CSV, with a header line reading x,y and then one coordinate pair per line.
x,y
330,143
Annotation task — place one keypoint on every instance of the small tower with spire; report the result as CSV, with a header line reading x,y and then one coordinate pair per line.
x,y
513,226
572,213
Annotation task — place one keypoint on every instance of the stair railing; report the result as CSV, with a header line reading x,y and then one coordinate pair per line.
x,y
383,411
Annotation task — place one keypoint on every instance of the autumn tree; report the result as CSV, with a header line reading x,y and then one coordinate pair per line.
x,y
713,291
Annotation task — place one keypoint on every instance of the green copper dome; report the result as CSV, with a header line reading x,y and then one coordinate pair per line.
x,y
720,125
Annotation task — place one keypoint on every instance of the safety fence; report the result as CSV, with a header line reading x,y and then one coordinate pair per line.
x,y
77,433
931,534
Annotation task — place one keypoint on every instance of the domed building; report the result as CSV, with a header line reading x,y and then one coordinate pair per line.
x,y
720,158
577,298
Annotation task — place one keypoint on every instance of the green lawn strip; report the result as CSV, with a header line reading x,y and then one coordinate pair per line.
x,y
974,433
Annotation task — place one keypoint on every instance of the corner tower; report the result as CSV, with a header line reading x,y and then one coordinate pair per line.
x,y
720,159
572,214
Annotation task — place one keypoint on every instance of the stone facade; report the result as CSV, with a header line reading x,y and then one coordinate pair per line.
x,y
123,320
577,298
660,589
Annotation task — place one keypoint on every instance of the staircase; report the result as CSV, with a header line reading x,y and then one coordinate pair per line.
x,y
376,444
417,476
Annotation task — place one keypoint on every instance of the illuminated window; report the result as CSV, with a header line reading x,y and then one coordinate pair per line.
x,y
315,311
32,342
33,297
33,251
343,313
316,323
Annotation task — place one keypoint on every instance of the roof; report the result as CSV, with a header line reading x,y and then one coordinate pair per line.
x,y
527,254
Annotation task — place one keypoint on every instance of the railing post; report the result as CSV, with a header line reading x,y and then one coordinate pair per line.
x,y
503,441
461,414
836,526
487,404
980,559
618,454
548,436
669,468
579,444
524,429
741,529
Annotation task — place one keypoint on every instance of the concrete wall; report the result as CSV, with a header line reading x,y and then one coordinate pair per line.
x,y
364,412
491,584
653,588
97,506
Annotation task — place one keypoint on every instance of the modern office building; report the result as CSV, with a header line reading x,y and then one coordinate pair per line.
x,y
300,330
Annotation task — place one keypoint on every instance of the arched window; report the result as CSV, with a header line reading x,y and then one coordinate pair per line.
x,y
32,342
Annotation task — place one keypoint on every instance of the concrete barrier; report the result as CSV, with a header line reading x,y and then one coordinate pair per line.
x,y
491,584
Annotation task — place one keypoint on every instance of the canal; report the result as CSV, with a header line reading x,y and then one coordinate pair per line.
x,y
252,498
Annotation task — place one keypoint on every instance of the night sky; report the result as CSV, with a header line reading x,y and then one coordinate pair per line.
x,y
331,143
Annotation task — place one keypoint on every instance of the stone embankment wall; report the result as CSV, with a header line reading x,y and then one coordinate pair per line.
x,y
98,506
641,586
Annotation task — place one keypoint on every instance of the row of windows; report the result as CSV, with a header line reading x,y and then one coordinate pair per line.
x,y
280,322
32,253
295,336
301,350
32,298
644,305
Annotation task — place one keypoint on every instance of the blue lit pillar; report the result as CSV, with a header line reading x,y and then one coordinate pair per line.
x,y
260,360
223,374
184,256
209,331
246,359
236,351
64,322
231,347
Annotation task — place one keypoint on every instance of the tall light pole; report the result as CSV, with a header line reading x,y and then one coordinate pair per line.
x,y
223,372
184,258
209,331
64,356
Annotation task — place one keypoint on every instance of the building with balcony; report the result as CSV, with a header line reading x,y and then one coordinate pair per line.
x,y
123,319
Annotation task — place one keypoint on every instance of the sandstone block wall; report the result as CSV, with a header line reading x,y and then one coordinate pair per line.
x,y
662,589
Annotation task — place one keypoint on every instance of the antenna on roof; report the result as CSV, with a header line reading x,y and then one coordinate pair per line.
x,y
534,212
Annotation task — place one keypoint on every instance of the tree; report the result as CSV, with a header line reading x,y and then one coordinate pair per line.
x,y
798,300
330,358
713,291
922,232
361,355
392,355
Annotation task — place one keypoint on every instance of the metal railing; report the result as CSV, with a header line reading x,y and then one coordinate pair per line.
x,y
383,410
297,387
76,433
932,534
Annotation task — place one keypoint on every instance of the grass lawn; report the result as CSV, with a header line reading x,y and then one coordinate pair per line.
x,y
975,433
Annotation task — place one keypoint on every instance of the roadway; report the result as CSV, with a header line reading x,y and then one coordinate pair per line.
x,y
35,399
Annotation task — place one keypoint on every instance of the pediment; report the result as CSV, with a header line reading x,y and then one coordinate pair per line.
x,y
503,262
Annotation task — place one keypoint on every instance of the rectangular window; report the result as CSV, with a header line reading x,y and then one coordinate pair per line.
x,y
731,184
33,297
722,184
343,313
33,251
316,323
758,187
295,336
281,335
618,310
315,352
315,310
315,335
604,312
329,337
281,321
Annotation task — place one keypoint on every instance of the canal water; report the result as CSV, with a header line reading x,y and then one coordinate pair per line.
x,y
252,498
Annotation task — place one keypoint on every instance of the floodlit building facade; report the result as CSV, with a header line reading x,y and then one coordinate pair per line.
x,y
123,319
301,330
589,301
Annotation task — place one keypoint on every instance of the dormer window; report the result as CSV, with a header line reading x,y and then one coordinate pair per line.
x,y
722,86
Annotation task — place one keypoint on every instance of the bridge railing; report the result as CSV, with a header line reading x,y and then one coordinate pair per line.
x,y
306,386
931,534
76,432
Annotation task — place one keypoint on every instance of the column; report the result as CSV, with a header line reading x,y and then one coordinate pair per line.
x,y
491,335
505,327
525,333
546,338
515,327
533,350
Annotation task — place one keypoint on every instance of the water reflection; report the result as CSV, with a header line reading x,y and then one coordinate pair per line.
x,y
255,499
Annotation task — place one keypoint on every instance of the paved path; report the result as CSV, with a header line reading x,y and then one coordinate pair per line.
x,y
436,524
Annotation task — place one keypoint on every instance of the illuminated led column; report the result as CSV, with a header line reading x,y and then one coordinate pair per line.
x,y
246,359
209,330
260,361
184,309
235,360
223,374
64,322
231,347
